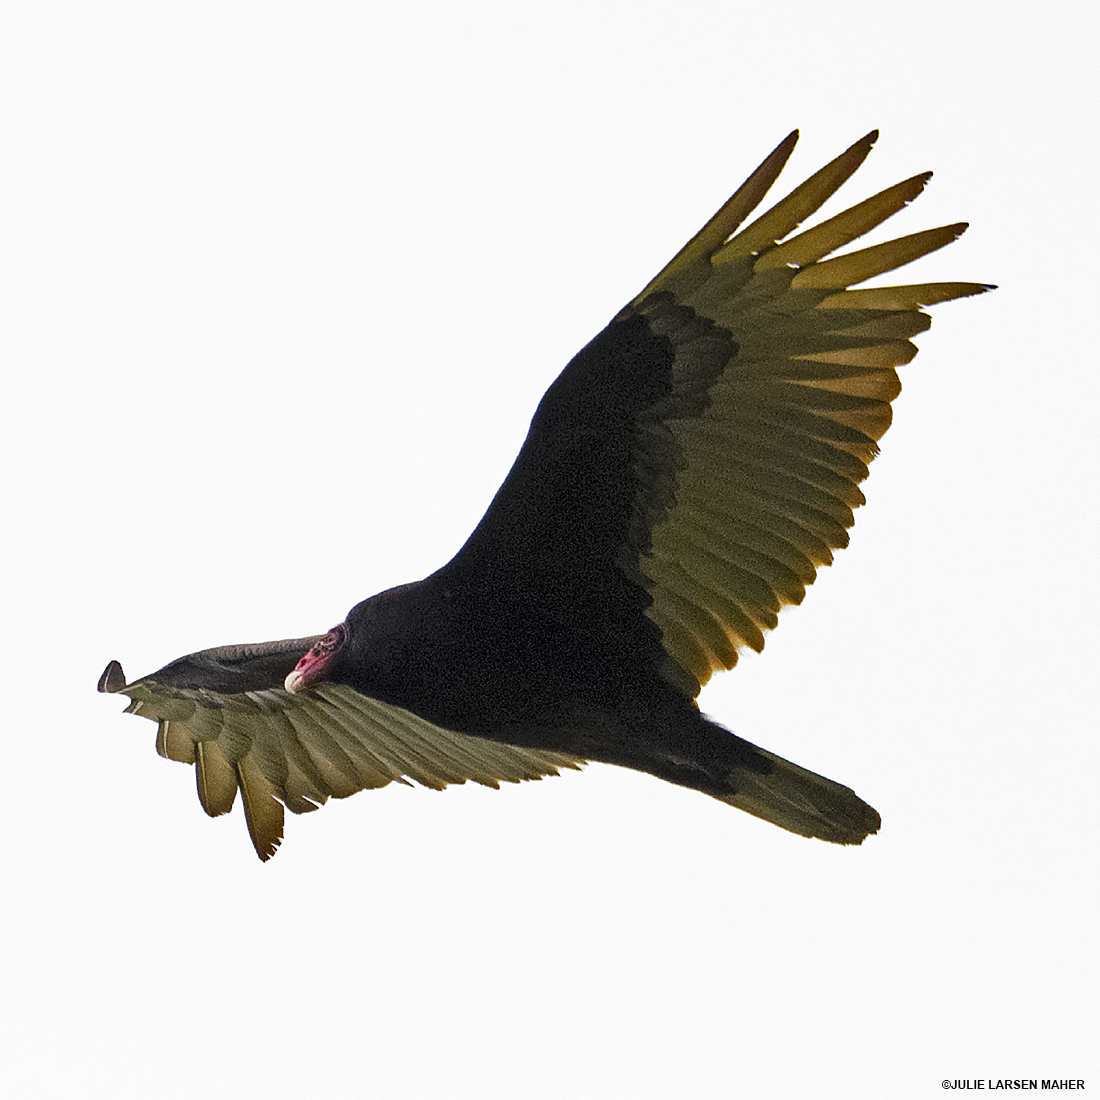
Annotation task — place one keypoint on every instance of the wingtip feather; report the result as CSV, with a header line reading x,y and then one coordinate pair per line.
x,y
806,199
263,812
730,215
113,679
215,778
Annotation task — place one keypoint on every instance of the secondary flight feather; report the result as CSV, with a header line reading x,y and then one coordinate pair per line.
x,y
683,479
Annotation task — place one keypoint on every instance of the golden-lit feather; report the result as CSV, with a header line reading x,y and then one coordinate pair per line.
x,y
298,751
215,777
801,203
767,471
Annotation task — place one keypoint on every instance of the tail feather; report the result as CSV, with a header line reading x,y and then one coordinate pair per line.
x,y
678,743
802,802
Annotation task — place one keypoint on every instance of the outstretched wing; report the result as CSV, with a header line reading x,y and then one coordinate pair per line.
x,y
704,452
225,711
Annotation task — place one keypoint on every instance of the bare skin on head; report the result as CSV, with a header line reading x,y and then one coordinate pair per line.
x,y
313,667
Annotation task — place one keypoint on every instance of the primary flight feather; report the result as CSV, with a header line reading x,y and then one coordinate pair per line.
x,y
683,478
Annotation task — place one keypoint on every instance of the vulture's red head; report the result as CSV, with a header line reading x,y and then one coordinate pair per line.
x,y
315,667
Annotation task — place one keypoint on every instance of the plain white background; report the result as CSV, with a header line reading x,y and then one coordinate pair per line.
x,y
282,285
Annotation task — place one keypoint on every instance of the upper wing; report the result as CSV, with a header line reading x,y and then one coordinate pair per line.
x,y
225,711
705,451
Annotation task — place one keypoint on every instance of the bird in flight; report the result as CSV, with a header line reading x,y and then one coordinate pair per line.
x,y
683,478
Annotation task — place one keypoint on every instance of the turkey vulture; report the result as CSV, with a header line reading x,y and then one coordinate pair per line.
x,y
683,479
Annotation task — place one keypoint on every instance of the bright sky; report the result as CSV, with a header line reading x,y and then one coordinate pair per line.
x,y
282,285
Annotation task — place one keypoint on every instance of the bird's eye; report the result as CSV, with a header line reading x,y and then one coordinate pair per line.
x,y
329,642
